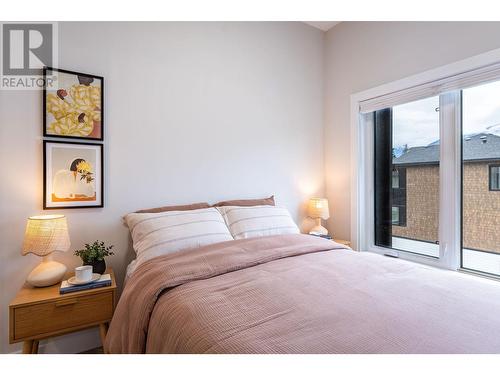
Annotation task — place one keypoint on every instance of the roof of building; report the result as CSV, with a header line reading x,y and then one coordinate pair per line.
x,y
480,146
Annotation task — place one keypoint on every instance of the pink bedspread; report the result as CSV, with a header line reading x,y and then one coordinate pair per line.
x,y
301,294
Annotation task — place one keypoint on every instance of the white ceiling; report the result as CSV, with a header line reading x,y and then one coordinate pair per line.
x,y
322,25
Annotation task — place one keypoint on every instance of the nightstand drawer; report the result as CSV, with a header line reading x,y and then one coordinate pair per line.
x,y
62,315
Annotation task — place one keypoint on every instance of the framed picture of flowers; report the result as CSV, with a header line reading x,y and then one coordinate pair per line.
x,y
73,105
72,175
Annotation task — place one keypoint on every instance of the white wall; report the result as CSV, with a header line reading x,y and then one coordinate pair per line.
x,y
193,112
361,55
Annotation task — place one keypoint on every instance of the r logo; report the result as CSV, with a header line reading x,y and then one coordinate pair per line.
x,y
26,48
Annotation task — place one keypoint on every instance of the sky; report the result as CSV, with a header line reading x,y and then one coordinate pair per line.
x,y
417,123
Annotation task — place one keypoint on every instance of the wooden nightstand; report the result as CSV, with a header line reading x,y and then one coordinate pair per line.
x,y
343,242
41,313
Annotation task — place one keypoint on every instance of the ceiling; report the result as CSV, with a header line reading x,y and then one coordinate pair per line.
x,y
322,25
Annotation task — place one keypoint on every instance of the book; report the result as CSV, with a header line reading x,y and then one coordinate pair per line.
x,y
66,287
326,236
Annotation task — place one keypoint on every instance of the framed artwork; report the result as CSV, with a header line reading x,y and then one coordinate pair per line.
x,y
72,175
73,105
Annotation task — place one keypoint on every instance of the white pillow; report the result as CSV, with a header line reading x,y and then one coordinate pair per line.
x,y
257,221
156,234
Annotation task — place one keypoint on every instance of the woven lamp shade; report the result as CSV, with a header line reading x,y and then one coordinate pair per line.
x,y
45,234
318,208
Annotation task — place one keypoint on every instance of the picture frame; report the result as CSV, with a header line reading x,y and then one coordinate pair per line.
x,y
73,175
73,105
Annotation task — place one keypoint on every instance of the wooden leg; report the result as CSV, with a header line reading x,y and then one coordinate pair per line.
x,y
34,349
27,347
103,330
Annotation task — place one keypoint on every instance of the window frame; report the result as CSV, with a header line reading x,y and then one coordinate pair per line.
x,y
362,207
490,167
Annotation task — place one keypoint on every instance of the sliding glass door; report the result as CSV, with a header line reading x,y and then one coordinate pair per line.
x,y
481,178
407,177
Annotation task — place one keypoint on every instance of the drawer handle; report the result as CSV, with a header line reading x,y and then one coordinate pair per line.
x,y
66,302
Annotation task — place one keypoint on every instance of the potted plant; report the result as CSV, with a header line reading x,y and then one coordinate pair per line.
x,y
94,254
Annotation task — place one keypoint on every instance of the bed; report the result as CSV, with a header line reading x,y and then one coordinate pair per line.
x,y
295,293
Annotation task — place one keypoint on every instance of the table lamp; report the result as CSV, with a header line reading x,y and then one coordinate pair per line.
x,y
44,235
318,209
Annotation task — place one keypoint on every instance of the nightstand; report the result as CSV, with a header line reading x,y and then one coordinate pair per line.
x,y
40,313
343,242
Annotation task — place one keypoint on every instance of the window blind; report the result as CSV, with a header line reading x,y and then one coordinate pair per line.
x,y
456,82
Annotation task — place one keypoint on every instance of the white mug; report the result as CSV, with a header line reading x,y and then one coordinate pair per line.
x,y
83,274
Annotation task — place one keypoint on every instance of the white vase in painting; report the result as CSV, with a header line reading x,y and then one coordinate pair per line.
x,y
69,184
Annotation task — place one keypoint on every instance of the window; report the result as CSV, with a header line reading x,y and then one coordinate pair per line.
x,y
494,177
481,178
427,149
395,215
398,196
395,178
407,177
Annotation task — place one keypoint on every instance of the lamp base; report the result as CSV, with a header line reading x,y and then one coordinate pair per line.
x,y
318,229
47,273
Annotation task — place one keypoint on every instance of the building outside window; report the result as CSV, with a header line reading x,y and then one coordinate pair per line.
x,y
422,171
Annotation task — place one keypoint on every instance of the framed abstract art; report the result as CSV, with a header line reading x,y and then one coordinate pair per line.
x,y
73,175
73,105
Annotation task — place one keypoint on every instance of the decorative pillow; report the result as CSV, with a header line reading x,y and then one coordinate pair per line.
x,y
185,207
156,234
247,202
256,221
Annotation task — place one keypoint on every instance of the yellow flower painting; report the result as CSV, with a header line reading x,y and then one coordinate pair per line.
x,y
73,105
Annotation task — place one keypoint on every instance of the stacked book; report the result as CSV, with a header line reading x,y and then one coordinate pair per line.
x,y
104,280
328,237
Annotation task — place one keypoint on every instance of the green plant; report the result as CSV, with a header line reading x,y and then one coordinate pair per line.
x,y
94,252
